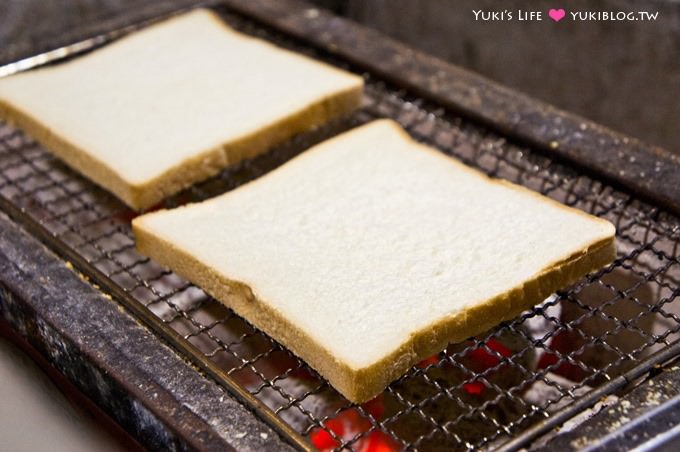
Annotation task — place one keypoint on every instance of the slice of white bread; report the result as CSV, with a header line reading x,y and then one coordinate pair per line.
x,y
173,104
371,252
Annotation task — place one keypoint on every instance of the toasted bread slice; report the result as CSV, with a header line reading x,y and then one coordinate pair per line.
x,y
173,104
371,252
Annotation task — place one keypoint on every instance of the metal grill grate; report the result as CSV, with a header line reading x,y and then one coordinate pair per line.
x,y
475,394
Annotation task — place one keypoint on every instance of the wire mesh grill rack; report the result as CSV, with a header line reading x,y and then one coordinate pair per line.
x,y
475,394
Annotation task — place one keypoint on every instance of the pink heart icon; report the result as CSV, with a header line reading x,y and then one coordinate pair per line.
x,y
557,14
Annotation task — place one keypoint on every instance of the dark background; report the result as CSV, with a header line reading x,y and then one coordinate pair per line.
x,y
625,75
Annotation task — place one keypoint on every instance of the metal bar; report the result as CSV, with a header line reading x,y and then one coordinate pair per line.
x,y
167,334
152,391
634,433
648,171
310,25
589,399
29,53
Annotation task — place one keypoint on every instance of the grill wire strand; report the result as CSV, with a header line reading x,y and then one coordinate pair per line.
x,y
478,394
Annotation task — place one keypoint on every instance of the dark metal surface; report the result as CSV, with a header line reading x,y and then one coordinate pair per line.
x,y
613,319
618,383
617,73
655,430
140,382
644,169
31,27
21,352
644,417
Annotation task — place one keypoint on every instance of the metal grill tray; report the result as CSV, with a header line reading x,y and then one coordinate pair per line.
x,y
500,389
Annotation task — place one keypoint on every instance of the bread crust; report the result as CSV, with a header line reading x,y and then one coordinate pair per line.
x,y
361,384
200,166
203,163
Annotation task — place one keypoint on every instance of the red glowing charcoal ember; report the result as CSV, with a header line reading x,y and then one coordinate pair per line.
x,y
474,388
323,440
350,425
356,423
336,425
483,359
378,441
547,359
434,359
567,370
498,347
375,407
565,343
